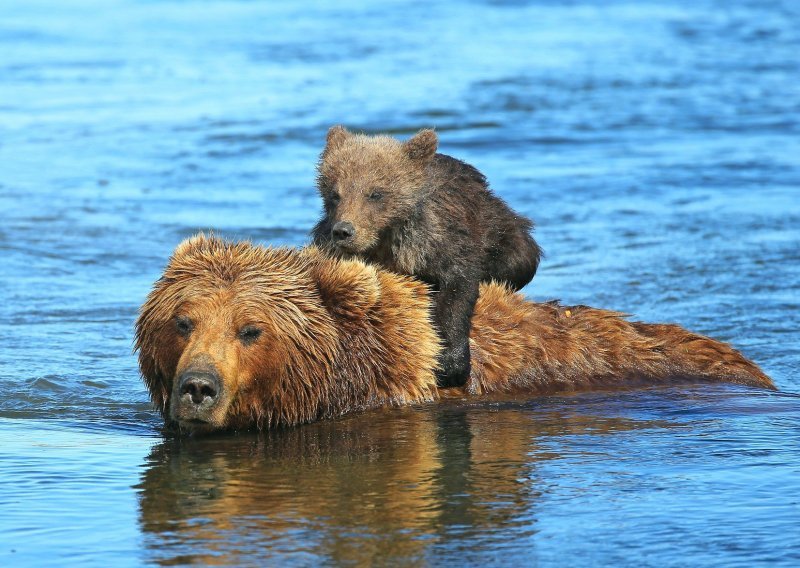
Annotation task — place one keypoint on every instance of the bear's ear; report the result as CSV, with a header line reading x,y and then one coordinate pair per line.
x,y
337,135
349,288
422,146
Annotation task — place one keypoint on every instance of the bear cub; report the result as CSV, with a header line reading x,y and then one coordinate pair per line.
x,y
411,210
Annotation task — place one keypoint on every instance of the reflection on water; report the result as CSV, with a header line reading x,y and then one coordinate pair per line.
x,y
588,479
410,486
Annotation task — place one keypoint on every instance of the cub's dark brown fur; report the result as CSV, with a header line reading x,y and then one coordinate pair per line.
x,y
416,212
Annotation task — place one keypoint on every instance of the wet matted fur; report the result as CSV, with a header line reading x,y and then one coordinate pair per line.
x,y
337,336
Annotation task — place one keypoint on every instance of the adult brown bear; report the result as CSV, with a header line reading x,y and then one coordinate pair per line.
x,y
235,336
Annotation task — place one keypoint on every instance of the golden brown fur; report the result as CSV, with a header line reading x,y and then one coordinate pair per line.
x,y
521,346
339,336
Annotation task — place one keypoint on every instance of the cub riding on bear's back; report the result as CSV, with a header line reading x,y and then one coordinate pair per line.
x,y
416,212
234,337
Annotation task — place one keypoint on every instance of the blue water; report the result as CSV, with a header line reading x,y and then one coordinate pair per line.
x,y
657,145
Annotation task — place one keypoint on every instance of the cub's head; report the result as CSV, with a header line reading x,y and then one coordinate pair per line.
x,y
229,325
369,184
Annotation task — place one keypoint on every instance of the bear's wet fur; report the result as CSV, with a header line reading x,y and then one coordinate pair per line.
x,y
427,215
235,336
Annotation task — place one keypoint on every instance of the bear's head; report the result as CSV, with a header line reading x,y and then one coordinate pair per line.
x,y
371,183
234,336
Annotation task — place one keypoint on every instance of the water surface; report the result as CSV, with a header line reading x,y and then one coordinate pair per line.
x,y
654,142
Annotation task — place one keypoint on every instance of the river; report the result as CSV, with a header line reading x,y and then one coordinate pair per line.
x,y
656,144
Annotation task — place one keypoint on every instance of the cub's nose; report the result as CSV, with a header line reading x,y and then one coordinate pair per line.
x,y
199,386
343,231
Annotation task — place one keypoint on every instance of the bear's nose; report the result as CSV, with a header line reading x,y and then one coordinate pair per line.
x,y
343,231
199,385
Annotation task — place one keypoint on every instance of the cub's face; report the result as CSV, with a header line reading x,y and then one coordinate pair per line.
x,y
369,184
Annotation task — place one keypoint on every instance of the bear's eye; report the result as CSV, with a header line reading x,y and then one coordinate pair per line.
x,y
375,195
249,334
334,198
184,325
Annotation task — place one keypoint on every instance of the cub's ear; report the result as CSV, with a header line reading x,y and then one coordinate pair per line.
x,y
422,146
349,288
336,137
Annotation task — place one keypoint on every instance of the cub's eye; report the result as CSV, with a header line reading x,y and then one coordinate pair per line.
x,y
376,195
184,325
249,334
334,198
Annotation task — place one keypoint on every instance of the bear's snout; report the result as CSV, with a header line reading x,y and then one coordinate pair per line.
x,y
343,231
195,387
198,397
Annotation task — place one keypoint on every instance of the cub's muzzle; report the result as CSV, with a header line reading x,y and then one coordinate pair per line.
x,y
343,231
